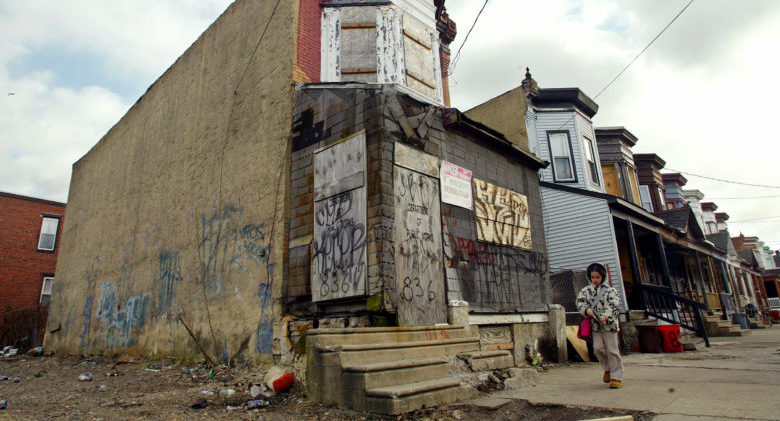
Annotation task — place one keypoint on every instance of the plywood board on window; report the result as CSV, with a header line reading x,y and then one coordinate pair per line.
x,y
419,56
502,215
338,247
409,157
419,286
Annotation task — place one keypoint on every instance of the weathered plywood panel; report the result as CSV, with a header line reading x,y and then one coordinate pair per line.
x,y
419,56
341,160
416,160
329,47
490,277
339,264
502,215
418,249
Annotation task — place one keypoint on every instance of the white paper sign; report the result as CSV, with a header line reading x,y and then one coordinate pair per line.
x,y
455,185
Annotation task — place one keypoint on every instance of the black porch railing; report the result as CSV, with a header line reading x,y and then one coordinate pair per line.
x,y
672,308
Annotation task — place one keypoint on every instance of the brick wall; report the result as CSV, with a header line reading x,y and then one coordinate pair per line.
x,y
308,57
22,265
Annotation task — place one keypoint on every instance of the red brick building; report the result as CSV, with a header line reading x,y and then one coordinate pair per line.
x,y
29,239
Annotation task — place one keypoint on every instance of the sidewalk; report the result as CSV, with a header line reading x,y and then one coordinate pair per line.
x,y
737,378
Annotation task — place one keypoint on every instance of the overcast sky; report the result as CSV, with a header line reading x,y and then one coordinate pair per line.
x,y
703,97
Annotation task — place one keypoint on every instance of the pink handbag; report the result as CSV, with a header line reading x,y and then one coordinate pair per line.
x,y
584,331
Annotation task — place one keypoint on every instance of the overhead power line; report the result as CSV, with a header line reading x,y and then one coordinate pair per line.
x,y
744,197
724,180
643,50
755,220
455,59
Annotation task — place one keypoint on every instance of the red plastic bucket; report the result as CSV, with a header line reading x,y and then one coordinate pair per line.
x,y
671,338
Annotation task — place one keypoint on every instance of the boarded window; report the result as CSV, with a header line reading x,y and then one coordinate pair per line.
x,y
502,215
420,74
358,44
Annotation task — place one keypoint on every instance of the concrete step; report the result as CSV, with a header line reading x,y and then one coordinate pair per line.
x,y
488,360
345,336
392,373
400,399
360,354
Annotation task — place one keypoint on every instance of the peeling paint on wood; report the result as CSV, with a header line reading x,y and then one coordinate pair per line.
x,y
389,46
329,47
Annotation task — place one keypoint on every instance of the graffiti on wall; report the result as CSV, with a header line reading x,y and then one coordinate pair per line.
x,y
491,277
227,244
90,276
339,264
502,215
419,285
168,278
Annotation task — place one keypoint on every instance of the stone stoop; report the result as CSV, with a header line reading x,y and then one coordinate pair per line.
x,y
756,323
390,370
716,326
488,360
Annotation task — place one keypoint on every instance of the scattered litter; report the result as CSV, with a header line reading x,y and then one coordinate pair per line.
x,y
35,352
227,392
207,393
278,380
155,370
9,352
112,374
255,391
101,388
86,377
3,404
37,374
256,404
199,404
3,378
211,373
231,408
17,380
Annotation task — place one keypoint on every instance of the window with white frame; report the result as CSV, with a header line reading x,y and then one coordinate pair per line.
x,y
561,156
644,194
48,281
48,235
590,158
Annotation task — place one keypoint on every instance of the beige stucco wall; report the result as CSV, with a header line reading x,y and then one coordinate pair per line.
x,y
506,114
179,208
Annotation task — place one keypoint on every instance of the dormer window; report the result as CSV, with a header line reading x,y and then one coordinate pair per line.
x,y
589,158
561,156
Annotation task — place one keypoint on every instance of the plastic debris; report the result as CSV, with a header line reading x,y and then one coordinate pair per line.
x,y
231,408
255,391
227,392
8,351
37,374
17,380
101,388
256,404
278,379
3,378
86,377
207,393
3,404
35,352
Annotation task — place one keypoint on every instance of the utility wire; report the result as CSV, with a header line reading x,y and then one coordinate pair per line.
x,y
632,61
457,55
724,180
756,219
643,50
739,198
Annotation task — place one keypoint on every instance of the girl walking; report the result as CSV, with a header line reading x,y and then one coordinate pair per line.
x,y
599,302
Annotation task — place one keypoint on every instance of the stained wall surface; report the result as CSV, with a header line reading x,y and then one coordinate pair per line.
x,y
176,216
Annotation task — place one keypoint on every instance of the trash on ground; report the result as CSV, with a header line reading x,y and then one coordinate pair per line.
x,y
199,404
207,393
227,392
3,404
256,404
86,377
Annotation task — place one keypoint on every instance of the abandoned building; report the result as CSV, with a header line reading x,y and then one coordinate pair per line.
x,y
296,187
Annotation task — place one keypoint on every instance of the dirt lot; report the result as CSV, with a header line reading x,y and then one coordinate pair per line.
x,y
49,388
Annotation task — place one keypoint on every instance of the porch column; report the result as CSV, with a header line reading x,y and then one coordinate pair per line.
x,y
664,262
701,281
726,280
635,261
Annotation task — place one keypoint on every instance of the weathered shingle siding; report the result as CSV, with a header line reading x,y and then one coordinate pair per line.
x,y
579,231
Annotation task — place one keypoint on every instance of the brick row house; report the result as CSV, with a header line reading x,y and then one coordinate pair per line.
x,y
29,241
